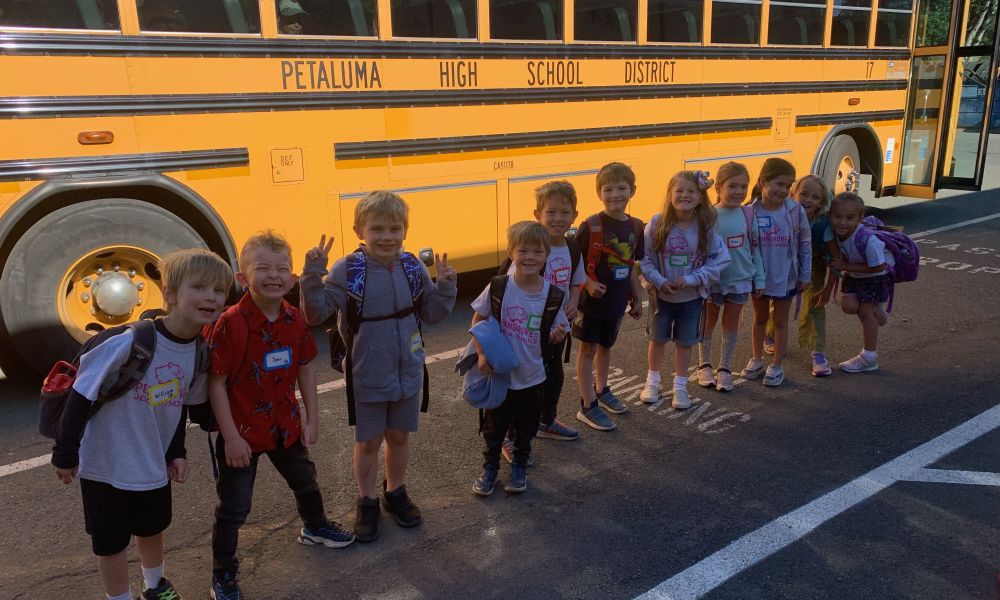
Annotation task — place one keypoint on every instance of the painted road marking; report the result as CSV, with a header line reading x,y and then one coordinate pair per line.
x,y
708,574
961,477
24,465
955,226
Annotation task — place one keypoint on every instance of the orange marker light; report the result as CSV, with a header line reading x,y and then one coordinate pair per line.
x,y
90,138
853,101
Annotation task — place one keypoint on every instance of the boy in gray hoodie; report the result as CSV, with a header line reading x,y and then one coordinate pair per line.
x,y
386,366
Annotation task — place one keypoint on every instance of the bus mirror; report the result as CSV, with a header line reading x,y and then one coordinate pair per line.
x,y
571,233
426,256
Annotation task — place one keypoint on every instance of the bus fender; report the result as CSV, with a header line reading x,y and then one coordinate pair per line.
x,y
869,148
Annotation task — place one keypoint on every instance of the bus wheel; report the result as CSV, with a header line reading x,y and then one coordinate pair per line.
x,y
842,164
82,269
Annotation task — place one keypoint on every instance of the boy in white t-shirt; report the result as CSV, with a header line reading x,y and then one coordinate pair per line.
x,y
126,453
521,310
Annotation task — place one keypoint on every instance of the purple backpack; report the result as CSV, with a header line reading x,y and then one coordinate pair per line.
x,y
902,248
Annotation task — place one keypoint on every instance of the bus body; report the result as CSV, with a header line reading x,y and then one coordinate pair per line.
x,y
132,128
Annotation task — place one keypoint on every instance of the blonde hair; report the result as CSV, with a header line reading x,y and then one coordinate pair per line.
x,y
728,171
527,233
613,172
381,203
562,189
267,238
704,214
824,191
184,265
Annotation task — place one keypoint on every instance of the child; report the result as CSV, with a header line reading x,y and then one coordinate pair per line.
x,y
786,251
741,278
134,446
260,348
387,359
684,257
521,322
612,288
866,278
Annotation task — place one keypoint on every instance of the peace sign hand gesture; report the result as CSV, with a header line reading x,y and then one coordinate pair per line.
x,y
322,251
444,271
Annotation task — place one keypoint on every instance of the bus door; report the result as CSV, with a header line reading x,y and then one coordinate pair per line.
x,y
951,95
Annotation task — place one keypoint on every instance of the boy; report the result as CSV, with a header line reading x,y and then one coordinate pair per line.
x,y
612,288
521,316
133,447
260,348
386,365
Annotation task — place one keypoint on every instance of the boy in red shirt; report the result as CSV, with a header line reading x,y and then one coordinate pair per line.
x,y
260,348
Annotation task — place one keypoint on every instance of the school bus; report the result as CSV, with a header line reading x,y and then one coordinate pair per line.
x,y
131,128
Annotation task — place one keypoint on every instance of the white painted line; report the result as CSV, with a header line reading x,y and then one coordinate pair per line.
x,y
708,574
961,477
955,225
24,465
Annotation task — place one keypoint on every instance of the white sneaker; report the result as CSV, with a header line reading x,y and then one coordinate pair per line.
x,y
881,316
859,364
724,380
754,369
705,378
774,377
681,399
650,394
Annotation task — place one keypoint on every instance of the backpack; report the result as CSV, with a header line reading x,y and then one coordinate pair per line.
x,y
596,246
341,349
553,304
904,251
59,382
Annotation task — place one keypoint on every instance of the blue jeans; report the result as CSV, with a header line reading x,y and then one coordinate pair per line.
x,y
678,322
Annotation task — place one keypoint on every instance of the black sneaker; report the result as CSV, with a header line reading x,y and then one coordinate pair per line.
x,y
366,520
163,591
399,505
518,480
224,587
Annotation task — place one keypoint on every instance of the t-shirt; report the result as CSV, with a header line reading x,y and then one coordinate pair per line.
x,y
124,444
610,270
875,254
559,271
521,323
677,259
746,268
785,265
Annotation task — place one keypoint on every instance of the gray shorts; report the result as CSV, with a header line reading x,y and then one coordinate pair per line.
x,y
374,418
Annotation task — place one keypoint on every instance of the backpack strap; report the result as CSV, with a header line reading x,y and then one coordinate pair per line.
x,y
498,287
139,358
574,258
595,245
357,271
749,218
414,271
553,304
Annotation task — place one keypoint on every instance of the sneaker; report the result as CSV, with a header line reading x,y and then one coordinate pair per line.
x,y
366,520
724,380
399,505
484,485
518,480
754,369
650,394
224,587
774,376
821,366
596,418
164,591
858,364
331,536
609,401
508,452
768,345
705,378
881,316
556,431
681,400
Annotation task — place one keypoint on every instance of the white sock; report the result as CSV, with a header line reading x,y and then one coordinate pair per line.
x,y
680,382
126,596
869,355
152,576
653,378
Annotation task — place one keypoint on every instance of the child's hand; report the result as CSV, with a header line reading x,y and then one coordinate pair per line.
x,y
680,284
803,286
635,309
557,334
484,366
596,289
237,453
322,251
836,263
445,272
310,433
571,312
66,475
667,288
823,297
177,470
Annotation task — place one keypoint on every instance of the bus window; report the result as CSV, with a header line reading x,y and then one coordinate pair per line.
x,y
605,20
675,21
199,16
60,14
434,18
980,30
357,18
735,22
798,23
893,25
850,22
526,19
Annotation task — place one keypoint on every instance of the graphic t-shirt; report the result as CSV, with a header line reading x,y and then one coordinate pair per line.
x,y
124,443
559,271
677,259
875,254
521,323
611,271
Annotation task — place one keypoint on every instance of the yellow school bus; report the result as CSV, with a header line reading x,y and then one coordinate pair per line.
x,y
130,128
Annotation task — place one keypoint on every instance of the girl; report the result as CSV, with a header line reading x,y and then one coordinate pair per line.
x,y
685,256
786,250
743,276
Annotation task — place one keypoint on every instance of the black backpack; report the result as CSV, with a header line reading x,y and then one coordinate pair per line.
x,y
553,304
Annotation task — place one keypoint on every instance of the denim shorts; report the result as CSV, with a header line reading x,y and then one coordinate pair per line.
x,y
678,322
733,298
791,294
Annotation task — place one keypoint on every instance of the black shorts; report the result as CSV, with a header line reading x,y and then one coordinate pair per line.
x,y
869,290
112,516
593,330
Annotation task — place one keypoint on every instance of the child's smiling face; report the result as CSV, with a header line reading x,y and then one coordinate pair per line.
x,y
528,259
733,191
775,191
615,196
844,218
810,195
557,216
684,196
267,274
383,237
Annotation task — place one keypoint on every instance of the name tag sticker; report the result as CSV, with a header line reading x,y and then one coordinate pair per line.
x,y
764,222
415,344
165,392
561,275
621,273
734,241
679,260
278,359
534,322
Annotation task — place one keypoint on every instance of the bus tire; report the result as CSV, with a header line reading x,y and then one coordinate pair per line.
x,y
842,157
43,289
